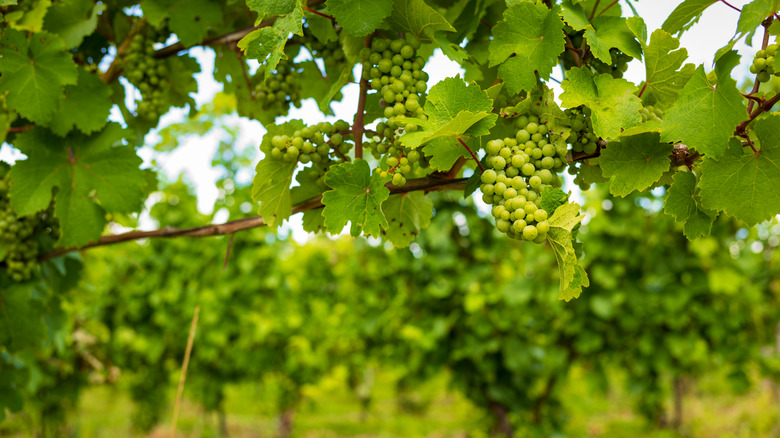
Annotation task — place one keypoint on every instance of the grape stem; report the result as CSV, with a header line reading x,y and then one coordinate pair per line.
x,y
357,126
115,69
574,52
431,183
607,8
473,155
764,43
642,90
249,86
593,12
731,6
486,24
320,13
21,128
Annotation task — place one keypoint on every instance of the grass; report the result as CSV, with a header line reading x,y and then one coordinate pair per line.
x,y
710,410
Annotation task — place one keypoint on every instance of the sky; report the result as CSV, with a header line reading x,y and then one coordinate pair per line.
x,y
193,158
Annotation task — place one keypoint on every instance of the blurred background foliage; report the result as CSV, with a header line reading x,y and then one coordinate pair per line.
x,y
461,334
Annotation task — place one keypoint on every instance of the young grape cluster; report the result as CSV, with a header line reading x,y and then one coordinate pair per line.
x,y
617,66
19,247
520,169
582,138
148,74
331,53
650,112
310,145
394,70
281,90
764,63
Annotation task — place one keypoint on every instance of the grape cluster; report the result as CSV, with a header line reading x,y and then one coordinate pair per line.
x,y
520,169
651,113
617,66
19,247
763,63
582,138
331,53
148,74
281,90
309,145
394,70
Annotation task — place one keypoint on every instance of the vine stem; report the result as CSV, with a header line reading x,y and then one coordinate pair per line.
x,y
183,376
574,52
21,128
593,12
113,71
642,90
321,14
473,155
357,126
430,183
731,6
607,8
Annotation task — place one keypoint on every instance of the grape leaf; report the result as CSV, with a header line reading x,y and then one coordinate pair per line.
x,y
572,276
313,221
84,169
744,184
635,162
73,20
416,17
267,44
266,8
704,115
21,325
611,101
534,34
445,151
665,78
271,185
552,198
752,15
685,15
321,27
190,20
683,202
356,196
609,32
271,188
29,18
85,106
589,172
464,122
359,17
451,96
406,214
34,73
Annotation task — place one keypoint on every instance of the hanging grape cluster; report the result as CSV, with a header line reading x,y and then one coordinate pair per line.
x,y
318,144
582,138
19,247
617,66
764,63
520,168
148,74
650,112
331,53
281,90
395,71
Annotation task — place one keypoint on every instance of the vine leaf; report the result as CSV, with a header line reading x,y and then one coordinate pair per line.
x,y
267,8
73,20
83,169
683,202
357,197
705,115
417,17
744,184
611,101
552,198
360,17
685,15
267,44
407,214
34,73
752,15
603,33
190,20
85,106
572,276
664,77
534,34
21,325
454,109
635,162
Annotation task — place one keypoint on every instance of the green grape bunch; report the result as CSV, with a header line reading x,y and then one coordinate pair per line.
x,y
19,236
520,169
650,112
319,144
331,52
281,90
394,70
617,65
147,74
764,63
582,138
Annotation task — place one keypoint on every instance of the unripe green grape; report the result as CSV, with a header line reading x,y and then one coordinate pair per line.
x,y
502,225
488,176
528,169
530,232
487,189
499,188
398,179
499,163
